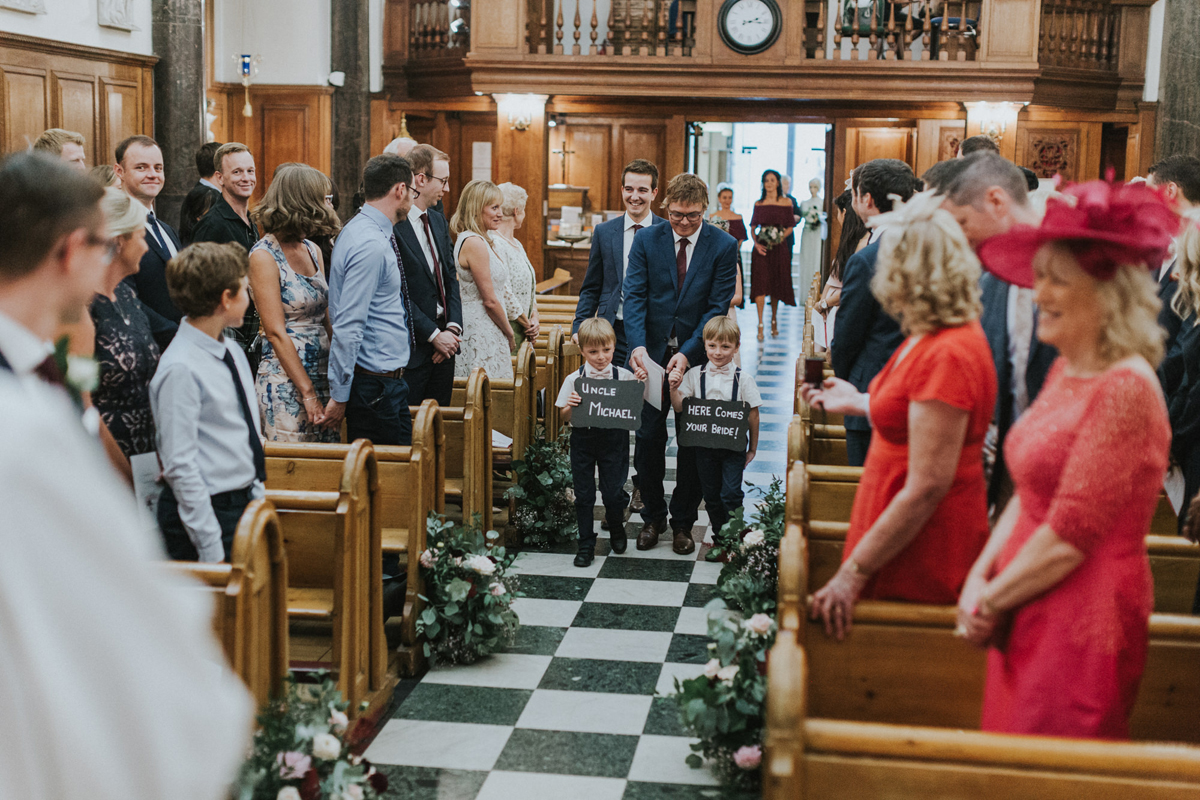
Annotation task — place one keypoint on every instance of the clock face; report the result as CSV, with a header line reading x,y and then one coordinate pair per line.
x,y
750,26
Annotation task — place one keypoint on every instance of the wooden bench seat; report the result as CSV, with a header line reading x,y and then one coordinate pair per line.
x,y
809,756
331,531
250,603
513,408
468,450
548,349
559,283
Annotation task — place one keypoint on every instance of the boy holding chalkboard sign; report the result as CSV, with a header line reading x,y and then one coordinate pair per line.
x,y
603,440
719,467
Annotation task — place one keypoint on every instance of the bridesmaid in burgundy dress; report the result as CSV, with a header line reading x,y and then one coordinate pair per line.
x,y
1063,592
771,267
735,226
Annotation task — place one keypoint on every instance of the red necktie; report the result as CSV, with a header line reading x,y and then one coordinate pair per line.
x,y
49,372
681,262
437,268
637,227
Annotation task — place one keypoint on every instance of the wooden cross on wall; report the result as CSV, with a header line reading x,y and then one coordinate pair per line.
x,y
563,152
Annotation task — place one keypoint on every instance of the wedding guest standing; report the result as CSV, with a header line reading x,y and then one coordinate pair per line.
x,y
66,146
854,237
812,236
733,224
484,283
522,279
287,284
200,198
771,260
125,350
1063,591
920,515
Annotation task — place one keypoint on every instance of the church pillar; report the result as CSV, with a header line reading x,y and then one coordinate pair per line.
x,y
1179,93
521,158
352,101
178,31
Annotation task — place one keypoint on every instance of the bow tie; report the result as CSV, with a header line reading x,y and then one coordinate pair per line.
x,y
600,373
725,370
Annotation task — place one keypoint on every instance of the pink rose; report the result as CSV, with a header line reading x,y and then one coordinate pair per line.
x,y
293,765
759,624
498,589
748,757
427,559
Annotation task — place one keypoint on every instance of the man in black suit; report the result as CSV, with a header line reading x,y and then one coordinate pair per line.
x,y
864,335
988,197
1178,177
427,258
202,196
139,165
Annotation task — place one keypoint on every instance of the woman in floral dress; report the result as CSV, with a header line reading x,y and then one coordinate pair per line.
x,y
287,281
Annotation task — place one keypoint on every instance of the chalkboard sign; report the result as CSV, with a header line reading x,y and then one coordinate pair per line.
x,y
608,404
715,424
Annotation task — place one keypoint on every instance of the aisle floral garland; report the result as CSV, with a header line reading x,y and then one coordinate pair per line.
x,y
544,511
468,592
725,707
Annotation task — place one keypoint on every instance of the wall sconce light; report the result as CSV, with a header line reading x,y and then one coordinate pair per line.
x,y
993,119
248,67
520,108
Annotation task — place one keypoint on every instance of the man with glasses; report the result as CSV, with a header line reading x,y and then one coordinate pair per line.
x,y
370,310
679,277
428,257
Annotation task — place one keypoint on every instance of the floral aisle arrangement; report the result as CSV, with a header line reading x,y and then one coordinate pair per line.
x,y
544,512
300,751
769,235
725,707
468,593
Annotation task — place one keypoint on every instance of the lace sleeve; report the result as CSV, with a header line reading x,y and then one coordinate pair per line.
x,y
504,254
1120,445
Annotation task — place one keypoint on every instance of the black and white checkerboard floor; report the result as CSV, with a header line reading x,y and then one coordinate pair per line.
x,y
579,706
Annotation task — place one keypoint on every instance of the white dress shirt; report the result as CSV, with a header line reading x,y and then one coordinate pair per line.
x,y
112,686
627,245
202,439
423,234
23,350
718,385
568,386
157,231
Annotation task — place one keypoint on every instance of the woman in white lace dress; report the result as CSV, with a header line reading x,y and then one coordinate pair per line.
x,y
522,279
483,283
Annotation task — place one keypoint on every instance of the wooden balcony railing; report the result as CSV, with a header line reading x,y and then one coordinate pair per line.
x,y
1083,34
439,28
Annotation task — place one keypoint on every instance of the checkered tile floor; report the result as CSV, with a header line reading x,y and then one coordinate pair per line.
x,y
579,708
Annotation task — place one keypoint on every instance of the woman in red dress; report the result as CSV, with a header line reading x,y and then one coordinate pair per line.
x,y
771,266
1063,592
920,513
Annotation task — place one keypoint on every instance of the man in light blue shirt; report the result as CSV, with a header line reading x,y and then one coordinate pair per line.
x,y
369,311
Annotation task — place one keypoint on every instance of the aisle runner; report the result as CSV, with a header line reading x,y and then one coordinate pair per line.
x,y
578,707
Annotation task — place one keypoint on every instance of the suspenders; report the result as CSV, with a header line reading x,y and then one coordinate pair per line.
x,y
733,395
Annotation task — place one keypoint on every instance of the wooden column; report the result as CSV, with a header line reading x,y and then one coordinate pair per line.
x,y
520,157
179,77
676,153
351,102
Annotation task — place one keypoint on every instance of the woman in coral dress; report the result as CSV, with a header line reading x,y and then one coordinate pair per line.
x,y
1063,592
920,513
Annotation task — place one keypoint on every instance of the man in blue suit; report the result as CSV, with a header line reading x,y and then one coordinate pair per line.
x,y
864,335
679,277
988,196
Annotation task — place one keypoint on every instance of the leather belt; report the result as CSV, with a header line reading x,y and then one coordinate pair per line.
x,y
396,373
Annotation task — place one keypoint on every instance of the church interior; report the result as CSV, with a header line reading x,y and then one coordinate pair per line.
x,y
619,682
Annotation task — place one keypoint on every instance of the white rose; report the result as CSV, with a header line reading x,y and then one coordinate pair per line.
x,y
83,373
752,539
288,793
338,721
481,564
427,559
353,792
326,747
727,674
759,624
712,668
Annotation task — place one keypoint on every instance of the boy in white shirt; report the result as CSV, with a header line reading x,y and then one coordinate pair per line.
x,y
719,470
592,448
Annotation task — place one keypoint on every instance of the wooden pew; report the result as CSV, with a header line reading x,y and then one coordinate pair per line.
x,y
549,351
816,444
250,601
558,284
468,450
901,663
331,529
411,485
809,756
513,407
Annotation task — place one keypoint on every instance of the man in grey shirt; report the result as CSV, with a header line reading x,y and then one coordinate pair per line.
x,y
370,312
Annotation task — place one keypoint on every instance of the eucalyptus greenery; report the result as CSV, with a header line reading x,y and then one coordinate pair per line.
x,y
468,592
545,501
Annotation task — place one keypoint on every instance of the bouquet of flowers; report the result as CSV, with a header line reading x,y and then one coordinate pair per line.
x,y
468,593
723,224
545,507
769,235
300,751
812,218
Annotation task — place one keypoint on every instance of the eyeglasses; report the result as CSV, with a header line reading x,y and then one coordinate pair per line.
x,y
445,181
677,217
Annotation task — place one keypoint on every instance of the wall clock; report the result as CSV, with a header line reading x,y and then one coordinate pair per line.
x,y
749,26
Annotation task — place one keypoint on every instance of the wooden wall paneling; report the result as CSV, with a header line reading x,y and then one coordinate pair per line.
x,y
589,160
676,157
636,141
522,155
1009,31
74,106
25,106
937,140
382,130
1051,149
867,144
480,128
1140,153
119,114
498,26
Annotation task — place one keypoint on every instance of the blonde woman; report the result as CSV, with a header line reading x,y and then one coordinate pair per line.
x,y
920,514
522,279
483,282
1063,591
287,283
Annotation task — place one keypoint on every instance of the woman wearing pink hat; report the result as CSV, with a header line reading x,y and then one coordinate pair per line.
x,y
1062,592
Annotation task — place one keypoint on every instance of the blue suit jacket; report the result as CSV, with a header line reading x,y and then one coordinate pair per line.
x,y
600,294
864,336
654,303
